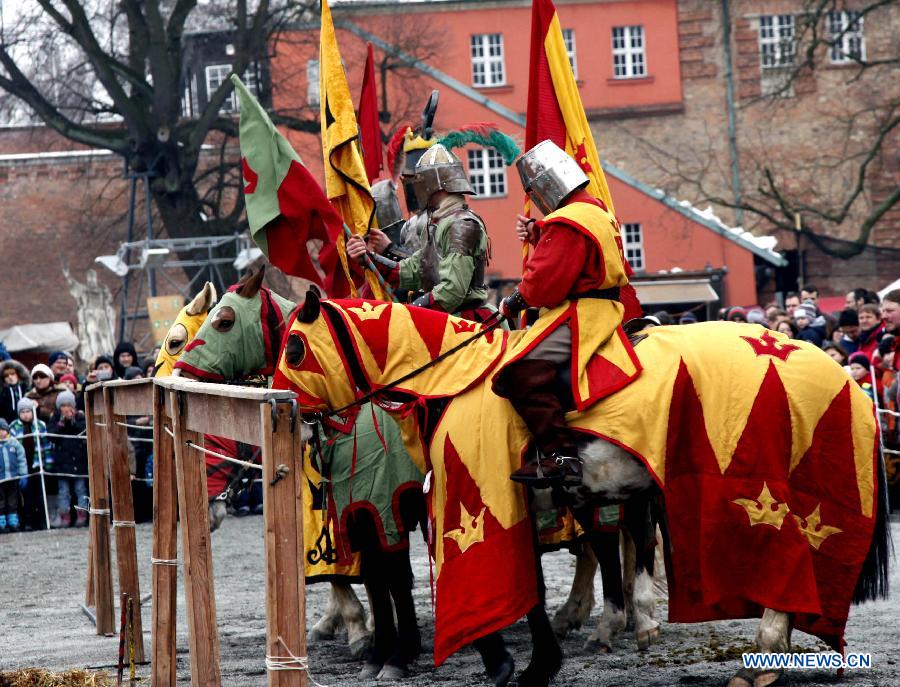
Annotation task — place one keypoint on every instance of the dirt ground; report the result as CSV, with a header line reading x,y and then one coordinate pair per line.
x,y
42,579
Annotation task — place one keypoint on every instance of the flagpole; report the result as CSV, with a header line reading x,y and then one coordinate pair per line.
x,y
369,265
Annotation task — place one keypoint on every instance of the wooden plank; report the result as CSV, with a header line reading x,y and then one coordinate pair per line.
x,y
165,548
99,523
89,589
196,550
224,416
282,511
132,397
123,508
227,390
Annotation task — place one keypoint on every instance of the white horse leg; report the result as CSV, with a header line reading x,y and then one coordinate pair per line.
x,y
646,629
577,608
329,624
354,617
611,623
774,636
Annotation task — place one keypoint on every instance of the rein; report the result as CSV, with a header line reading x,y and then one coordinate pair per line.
x,y
443,356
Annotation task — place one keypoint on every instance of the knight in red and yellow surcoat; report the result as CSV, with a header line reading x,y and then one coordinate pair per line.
x,y
576,353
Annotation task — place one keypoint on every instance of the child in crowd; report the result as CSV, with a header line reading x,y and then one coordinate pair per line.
x,y
16,382
860,371
44,392
25,429
13,469
70,455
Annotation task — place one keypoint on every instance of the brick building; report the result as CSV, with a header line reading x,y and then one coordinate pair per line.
x,y
654,79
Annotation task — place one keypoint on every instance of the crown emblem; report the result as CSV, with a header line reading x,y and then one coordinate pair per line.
x,y
470,531
764,509
367,311
462,326
813,529
768,345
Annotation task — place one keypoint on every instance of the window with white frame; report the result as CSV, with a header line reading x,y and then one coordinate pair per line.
x,y
217,74
189,105
487,173
487,60
312,83
846,40
633,245
629,56
569,40
777,40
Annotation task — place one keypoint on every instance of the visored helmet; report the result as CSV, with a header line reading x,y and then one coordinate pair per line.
x,y
387,204
549,174
439,170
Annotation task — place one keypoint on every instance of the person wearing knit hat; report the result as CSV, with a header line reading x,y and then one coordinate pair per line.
x,y
38,455
860,369
102,370
58,362
736,314
45,391
688,318
803,318
133,372
69,381
757,316
13,468
15,380
70,454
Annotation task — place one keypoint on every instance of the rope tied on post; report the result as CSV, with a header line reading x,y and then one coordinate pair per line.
x,y
290,662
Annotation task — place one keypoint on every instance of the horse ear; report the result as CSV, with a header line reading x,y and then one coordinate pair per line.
x,y
250,285
204,300
311,308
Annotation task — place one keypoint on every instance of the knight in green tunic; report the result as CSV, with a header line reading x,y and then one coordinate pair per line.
x,y
447,271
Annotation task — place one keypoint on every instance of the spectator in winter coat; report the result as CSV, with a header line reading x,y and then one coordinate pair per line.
x,y
871,329
124,356
860,371
101,371
803,318
890,312
44,392
13,468
70,455
26,429
15,384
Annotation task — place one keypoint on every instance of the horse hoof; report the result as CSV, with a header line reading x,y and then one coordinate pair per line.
x,y
596,646
359,647
370,671
646,637
504,672
390,672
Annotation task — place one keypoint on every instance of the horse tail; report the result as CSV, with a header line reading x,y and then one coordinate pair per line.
x,y
873,578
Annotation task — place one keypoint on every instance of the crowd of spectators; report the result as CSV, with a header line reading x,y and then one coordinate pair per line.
x,y
43,446
862,337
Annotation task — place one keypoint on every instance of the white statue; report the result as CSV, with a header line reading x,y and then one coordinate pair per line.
x,y
96,316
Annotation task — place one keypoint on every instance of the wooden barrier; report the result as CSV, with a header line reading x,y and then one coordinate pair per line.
x,y
255,416
99,570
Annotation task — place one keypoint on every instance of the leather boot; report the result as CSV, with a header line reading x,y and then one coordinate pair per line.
x,y
533,389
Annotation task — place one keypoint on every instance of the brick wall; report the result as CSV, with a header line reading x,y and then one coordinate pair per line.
x,y
687,153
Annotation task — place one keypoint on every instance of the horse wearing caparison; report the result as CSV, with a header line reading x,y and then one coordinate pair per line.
x,y
344,609
374,487
763,453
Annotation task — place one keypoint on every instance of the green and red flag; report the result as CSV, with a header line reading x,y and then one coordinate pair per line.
x,y
555,110
369,127
286,207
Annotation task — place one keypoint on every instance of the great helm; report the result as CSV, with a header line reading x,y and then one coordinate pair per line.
x,y
439,170
387,206
549,174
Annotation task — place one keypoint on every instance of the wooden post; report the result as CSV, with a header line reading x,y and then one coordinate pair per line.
x,y
123,508
89,589
196,549
99,547
165,547
282,510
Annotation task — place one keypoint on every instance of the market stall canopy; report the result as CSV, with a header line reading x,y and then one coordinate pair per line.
x,y
675,291
48,336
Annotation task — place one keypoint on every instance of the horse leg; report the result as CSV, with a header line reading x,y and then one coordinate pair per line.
x,y
612,620
217,513
774,636
498,662
577,608
546,654
344,610
628,573
332,622
409,641
642,532
375,574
